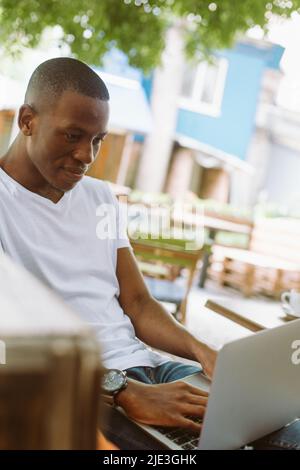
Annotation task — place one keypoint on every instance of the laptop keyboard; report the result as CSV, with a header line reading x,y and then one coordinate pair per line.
x,y
186,439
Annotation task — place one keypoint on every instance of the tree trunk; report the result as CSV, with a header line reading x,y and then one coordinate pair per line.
x,y
166,89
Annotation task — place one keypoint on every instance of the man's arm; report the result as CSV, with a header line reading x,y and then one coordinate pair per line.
x,y
153,324
168,404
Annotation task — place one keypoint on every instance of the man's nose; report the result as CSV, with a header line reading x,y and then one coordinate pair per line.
x,y
84,154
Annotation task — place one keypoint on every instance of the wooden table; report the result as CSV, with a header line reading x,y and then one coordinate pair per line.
x,y
197,222
213,226
252,314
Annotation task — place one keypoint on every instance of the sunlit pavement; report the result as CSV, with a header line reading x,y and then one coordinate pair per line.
x,y
208,326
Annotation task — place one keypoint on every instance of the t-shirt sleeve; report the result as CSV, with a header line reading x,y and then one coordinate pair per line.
x,y
121,221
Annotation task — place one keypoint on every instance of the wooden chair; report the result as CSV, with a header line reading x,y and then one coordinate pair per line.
x,y
162,261
50,383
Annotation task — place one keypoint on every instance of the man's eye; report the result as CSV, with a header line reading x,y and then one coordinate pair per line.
x,y
97,141
71,137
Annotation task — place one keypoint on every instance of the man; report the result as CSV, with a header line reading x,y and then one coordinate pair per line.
x,y
49,215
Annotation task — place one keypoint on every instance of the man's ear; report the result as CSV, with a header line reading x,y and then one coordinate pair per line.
x,y
25,119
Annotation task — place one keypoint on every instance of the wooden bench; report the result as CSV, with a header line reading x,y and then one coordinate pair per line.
x,y
270,265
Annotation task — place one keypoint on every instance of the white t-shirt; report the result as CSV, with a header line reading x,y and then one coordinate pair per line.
x,y
66,246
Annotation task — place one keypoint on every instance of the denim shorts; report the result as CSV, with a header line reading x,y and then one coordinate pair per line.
x,y
166,372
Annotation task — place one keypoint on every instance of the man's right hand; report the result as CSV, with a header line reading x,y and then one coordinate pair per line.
x,y
167,404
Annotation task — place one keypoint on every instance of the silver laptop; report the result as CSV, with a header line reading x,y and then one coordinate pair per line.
x,y
255,391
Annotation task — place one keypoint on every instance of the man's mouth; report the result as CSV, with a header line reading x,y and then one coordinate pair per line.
x,y
74,174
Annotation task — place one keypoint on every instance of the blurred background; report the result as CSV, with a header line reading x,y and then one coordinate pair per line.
x,y
186,116
205,108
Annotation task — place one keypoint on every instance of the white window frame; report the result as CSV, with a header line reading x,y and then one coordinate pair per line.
x,y
193,103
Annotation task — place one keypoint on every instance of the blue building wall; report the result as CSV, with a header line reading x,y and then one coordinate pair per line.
x,y
270,55
232,130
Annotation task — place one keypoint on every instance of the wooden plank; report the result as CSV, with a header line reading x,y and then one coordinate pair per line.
x,y
254,315
236,318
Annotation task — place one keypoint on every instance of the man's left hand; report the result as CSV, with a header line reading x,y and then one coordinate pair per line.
x,y
207,357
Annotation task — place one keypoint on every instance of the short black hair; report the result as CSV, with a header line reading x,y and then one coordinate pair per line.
x,y
52,77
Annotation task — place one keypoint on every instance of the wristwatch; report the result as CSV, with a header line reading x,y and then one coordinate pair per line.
x,y
113,382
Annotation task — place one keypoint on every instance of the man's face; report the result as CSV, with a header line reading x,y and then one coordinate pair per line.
x,y
66,137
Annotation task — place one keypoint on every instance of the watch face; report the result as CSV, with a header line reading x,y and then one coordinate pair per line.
x,y
113,380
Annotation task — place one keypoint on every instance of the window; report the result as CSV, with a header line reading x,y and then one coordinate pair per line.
x,y
203,87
